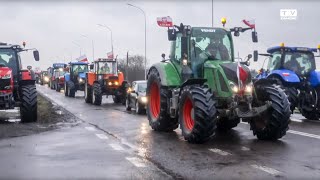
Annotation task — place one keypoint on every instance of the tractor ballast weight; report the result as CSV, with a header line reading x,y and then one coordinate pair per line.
x,y
201,89
105,79
17,86
74,79
294,70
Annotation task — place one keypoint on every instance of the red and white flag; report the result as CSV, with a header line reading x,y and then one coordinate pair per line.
x,y
242,75
110,55
249,23
165,21
82,58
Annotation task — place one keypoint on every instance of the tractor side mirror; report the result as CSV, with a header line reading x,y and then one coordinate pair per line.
x,y
172,35
36,55
249,56
91,66
255,56
254,36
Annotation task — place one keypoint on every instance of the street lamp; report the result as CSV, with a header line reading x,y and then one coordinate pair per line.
x,y
85,36
102,25
145,39
77,45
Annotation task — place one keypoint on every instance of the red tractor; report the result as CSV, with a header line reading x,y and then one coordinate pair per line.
x,y
17,86
105,79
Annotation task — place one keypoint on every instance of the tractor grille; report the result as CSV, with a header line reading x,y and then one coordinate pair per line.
x,y
4,83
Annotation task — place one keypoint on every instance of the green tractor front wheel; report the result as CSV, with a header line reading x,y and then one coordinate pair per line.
x,y
157,108
197,114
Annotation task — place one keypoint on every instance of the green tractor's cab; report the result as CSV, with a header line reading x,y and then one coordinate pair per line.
x,y
201,87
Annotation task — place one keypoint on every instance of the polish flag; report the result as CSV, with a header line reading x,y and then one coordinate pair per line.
x,y
82,58
110,55
249,23
165,21
242,75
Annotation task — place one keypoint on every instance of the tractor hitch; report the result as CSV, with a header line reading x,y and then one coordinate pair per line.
x,y
255,111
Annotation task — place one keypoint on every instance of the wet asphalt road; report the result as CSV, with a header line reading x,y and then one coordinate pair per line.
x,y
233,155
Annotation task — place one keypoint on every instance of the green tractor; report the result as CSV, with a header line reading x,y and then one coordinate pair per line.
x,y
202,89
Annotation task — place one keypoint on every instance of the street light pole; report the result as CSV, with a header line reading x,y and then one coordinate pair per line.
x,y
212,11
145,39
102,25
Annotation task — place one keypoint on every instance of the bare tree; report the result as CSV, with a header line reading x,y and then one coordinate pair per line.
x,y
133,69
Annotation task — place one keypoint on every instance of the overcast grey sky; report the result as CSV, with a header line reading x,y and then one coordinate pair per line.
x,y
51,26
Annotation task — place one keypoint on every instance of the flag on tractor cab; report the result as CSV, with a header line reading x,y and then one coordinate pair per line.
x,y
110,55
82,58
242,75
249,23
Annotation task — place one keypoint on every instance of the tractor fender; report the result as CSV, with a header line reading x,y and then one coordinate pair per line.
x,y
264,82
188,82
285,75
314,78
168,74
67,77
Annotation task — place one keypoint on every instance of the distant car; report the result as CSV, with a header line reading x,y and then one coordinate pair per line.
x,y
136,97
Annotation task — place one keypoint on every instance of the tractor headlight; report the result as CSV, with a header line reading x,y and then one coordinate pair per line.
x,y
184,62
81,80
144,99
46,79
248,88
110,83
7,76
116,83
233,87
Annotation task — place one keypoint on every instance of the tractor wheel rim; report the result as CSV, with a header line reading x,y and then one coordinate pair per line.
x,y
155,100
188,114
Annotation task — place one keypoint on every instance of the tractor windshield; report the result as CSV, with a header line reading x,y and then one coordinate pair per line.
x,y
210,43
80,68
8,58
107,67
300,62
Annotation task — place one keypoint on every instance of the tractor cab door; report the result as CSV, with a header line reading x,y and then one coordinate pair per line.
x,y
180,55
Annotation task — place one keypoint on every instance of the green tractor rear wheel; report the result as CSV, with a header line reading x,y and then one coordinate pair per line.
x,y
273,123
157,108
197,114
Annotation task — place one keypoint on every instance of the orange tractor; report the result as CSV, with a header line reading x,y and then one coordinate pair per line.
x,y
105,79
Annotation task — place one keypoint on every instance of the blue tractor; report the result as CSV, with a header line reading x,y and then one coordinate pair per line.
x,y
294,69
75,78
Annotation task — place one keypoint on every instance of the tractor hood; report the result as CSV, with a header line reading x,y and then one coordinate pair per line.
x,y
232,71
5,72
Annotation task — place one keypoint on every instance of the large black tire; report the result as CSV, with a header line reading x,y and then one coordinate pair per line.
x,y
199,126
311,113
97,94
71,89
273,123
225,124
157,108
291,92
58,88
66,89
87,93
52,86
28,107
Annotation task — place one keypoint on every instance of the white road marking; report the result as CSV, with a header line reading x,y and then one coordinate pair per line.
x,y
220,152
243,148
136,161
89,128
266,169
116,147
102,136
304,134
296,120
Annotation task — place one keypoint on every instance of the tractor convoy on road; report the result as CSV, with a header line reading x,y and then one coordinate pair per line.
x,y
202,87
